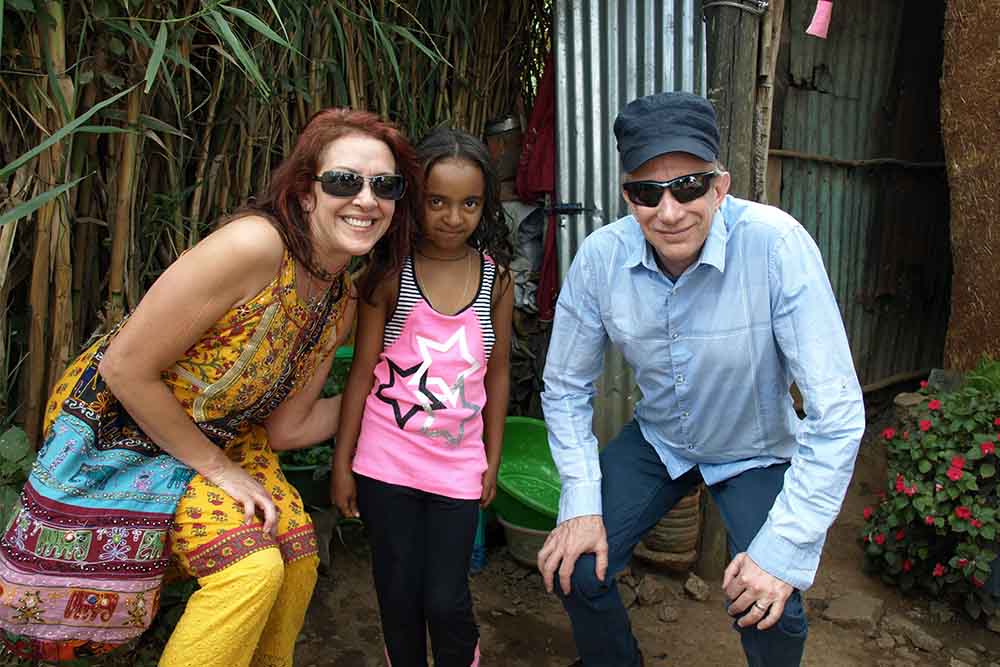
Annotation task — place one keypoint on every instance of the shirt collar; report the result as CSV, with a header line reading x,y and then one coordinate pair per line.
x,y
712,253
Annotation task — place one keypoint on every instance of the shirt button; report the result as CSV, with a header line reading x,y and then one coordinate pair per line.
x,y
684,415
674,335
690,446
680,379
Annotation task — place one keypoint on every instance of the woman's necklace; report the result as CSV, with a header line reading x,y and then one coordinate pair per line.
x,y
308,285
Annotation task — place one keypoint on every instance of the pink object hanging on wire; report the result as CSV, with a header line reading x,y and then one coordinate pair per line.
x,y
821,19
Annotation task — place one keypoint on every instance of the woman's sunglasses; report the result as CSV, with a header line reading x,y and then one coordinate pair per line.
x,y
685,189
348,184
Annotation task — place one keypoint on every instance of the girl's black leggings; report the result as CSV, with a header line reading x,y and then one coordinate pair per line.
x,y
421,544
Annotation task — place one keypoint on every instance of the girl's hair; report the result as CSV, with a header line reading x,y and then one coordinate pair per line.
x,y
492,235
293,179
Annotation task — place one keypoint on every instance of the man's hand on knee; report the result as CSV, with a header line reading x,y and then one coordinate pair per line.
x,y
750,587
567,542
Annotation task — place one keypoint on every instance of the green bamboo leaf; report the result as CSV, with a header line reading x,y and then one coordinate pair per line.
x,y
411,38
63,132
30,206
389,49
157,57
277,15
103,129
259,26
225,31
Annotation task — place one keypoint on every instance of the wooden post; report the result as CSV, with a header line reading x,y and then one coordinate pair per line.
x,y
770,44
732,37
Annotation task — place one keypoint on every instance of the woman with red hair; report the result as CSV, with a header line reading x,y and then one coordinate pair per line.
x,y
160,439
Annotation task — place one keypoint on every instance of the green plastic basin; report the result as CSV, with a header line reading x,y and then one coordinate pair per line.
x,y
528,481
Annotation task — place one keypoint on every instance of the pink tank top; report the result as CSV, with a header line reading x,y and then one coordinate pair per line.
x,y
423,420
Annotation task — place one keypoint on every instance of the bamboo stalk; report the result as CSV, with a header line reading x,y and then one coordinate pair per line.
x,y
54,42
83,235
8,233
124,202
194,216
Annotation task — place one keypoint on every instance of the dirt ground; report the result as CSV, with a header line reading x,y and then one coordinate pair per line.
x,y
523,626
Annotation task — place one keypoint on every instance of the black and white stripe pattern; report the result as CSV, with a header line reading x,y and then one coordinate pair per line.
x,y
410,295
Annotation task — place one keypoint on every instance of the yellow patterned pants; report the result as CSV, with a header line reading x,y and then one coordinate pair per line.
x,y
254,588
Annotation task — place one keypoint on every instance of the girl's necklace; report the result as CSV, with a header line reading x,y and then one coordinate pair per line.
x,y
444,259
468,277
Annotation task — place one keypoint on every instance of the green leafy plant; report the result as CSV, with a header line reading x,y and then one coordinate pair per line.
x,y
319,455
936,525
16,457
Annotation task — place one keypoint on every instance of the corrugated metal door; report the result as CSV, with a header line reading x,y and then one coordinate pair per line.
x,y
608,53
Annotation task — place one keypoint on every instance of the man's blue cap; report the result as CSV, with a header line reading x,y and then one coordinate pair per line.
x,y
666,123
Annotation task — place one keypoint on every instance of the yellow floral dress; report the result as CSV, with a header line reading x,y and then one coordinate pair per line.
x,y
105,511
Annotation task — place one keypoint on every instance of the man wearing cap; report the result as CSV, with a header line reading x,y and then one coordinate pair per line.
x,y
718,304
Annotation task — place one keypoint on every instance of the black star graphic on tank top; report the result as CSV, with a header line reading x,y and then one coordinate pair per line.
x,y
395,371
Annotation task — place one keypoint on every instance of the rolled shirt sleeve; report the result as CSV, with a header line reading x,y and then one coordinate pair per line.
x,y
810,335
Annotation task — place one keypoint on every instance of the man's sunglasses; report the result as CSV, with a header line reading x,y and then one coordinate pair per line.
x,y
348,184
685,189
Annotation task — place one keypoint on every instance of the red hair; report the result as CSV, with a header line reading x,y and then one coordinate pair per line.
x,y
293,179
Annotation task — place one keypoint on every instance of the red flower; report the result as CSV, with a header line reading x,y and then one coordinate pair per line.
x,y
929,520
900,484
925,424
910,490
958,462
955,474
962,562
934,405
988,448
867,513
867,539
880,538
889,433
996,422
907,565
977,583
976,523
900,535
963,512
938,487
923,384
938,570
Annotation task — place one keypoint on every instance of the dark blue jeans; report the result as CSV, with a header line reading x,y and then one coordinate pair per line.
x,y
637,492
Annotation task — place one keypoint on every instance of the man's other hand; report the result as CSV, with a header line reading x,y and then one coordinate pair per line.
x,y
567,542
750,587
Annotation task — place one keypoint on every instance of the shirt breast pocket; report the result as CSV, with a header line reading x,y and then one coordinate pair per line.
x,y
632,320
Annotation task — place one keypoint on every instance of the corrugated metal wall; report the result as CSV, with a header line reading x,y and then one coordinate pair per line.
x,y
870,91
607,53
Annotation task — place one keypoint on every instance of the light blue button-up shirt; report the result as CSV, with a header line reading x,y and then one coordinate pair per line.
x,y
714,354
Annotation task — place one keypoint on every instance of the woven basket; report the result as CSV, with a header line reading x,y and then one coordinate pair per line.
x,y
678,530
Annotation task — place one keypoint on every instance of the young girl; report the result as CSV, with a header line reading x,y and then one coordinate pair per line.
x,y
423,411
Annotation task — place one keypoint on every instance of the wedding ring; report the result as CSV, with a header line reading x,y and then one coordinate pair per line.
x,y
757,604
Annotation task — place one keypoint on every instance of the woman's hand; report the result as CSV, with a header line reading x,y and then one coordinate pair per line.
x,y
489,487
246,491
344,490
